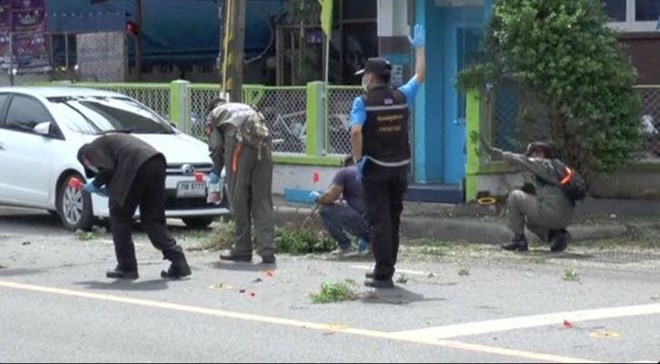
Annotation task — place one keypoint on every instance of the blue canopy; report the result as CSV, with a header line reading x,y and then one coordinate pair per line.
x,y
173,31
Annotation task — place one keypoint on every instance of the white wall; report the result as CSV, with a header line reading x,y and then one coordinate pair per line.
x,y
301,177
393,18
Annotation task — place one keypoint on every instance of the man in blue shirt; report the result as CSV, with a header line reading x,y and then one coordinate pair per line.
x,y
381,148
342,209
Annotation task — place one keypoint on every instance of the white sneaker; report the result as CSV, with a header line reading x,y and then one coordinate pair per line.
x,y
348,252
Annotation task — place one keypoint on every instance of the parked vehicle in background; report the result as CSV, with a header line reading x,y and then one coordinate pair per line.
x,y
42,128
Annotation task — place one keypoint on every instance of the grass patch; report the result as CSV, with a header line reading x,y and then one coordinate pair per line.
x,y
570,275
96,233
287,240
463,272
437,250
335,292
403,279
220,238
302,241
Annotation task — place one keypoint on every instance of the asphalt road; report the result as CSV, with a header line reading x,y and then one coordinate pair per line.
x,y
467,305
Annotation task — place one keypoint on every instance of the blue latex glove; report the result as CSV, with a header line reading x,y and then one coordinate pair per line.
x,y
420,37
360,167
314,196
363,246
214,178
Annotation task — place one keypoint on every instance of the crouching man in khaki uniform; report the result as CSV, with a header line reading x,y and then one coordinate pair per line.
x,y
547,210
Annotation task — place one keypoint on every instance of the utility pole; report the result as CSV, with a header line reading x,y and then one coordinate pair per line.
x,y
138,40
233,48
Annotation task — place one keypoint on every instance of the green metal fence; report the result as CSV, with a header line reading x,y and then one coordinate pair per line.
x,y
509,118
650,120
338,116
309,123
515,118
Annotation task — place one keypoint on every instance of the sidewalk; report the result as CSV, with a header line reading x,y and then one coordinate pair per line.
x,y
595,220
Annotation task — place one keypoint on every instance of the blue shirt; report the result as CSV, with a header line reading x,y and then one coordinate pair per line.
x,y
352,188
359,112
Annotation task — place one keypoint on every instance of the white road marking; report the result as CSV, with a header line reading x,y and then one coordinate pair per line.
x,y
455,345
525,322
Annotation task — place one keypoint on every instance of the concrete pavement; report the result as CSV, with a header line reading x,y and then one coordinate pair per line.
x,y
459,303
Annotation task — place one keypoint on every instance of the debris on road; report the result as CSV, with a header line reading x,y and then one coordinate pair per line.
x,y
568,324
221,286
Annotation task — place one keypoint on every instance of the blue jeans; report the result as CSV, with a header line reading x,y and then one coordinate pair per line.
x,y
340,218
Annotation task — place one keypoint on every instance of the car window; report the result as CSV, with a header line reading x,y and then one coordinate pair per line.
x,y
97,115
25,113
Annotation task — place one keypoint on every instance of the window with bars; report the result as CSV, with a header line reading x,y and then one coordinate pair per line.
x,y
633,15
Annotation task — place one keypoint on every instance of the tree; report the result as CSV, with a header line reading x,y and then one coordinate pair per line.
x,y
562,53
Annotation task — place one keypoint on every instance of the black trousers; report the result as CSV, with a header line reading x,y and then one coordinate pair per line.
x,y
383,193
147,192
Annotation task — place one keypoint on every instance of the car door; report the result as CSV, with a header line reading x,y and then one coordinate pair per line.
x,y
25,155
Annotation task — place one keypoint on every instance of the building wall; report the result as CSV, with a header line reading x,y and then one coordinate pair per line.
x,y
393,44
644,50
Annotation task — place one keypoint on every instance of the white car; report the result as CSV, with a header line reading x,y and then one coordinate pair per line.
x,y
42,128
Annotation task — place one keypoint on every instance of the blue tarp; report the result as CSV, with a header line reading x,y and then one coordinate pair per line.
x,y
173,31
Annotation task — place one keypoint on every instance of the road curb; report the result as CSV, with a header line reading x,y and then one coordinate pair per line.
x,y
476,230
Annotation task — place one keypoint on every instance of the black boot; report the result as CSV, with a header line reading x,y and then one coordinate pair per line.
x,y
268,259
179,267
231,255
122,273
559,240
386,283
518,244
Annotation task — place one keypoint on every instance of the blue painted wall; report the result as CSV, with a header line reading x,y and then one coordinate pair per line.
x,y
429,159
439,122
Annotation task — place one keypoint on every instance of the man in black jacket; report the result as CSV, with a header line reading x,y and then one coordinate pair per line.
x,y
132,174
381,147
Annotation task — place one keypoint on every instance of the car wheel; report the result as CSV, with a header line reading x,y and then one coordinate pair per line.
x,y
74,206
197,222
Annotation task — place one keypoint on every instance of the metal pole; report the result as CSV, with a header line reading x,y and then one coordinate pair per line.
x,y
327,58
11,59
66,52
221,25
235,41
138,40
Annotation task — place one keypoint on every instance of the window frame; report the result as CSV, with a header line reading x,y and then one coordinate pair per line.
x,y
631,25
56,133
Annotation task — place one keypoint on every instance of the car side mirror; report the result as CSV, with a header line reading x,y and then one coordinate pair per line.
x,y
44,129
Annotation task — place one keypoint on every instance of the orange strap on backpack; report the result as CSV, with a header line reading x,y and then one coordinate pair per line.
x,y
567,177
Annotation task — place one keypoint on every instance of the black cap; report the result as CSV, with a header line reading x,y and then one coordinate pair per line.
x,y
549,149
375,65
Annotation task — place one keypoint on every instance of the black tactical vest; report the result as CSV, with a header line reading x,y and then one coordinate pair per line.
x,y
385,132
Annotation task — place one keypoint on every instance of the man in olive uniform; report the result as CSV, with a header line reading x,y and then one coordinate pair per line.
x,y
132,173
545,210
381,147
239,142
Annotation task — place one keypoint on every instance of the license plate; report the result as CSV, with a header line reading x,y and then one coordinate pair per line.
x,y
191,189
